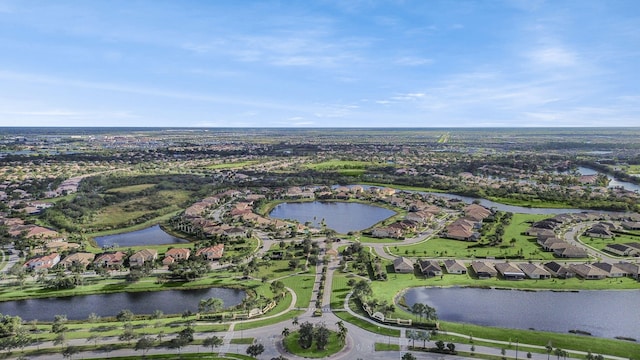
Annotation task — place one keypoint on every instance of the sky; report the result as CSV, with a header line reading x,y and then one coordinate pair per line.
x,y
320,63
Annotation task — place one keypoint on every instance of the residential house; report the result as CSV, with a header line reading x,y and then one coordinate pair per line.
x,y
559,270
454,266
509,271
387,232
43,262
534,271
571,252
143,256
632,270
599,231
483,270
612,270
80,258
110,260
461,229
212,252
548,244
476,212
620,249
588,272
178,254
403,265
631,225
430,268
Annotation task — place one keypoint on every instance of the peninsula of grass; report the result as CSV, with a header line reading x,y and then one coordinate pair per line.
x,y
624,349
333,346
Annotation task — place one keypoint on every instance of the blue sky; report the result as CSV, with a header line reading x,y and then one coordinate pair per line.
x,y
320,63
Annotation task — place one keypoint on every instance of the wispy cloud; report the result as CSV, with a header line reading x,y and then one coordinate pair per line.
x,y
553,56
413,61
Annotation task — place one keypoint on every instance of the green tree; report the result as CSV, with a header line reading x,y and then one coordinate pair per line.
x,y
321,335
255,350
69,351
213,342
408,356
125,316
144,343
210,305
440,345
305,338
451,347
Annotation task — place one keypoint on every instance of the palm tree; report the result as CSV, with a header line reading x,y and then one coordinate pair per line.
x,y
285,332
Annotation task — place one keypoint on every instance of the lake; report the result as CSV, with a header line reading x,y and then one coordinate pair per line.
x,y
79,307
342,217
149,236
613,182
602,313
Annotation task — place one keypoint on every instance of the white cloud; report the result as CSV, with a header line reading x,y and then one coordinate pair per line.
x,y
553,56
413,61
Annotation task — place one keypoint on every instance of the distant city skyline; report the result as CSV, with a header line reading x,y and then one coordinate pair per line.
x,y
324,63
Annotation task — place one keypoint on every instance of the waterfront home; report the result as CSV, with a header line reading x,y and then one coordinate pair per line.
x,y
611,269
387,232
403,265
509,271
483,270
43,262
588,272
454,266
476,212
110,260
143,256
632,270
559,270
178,253
212,252
430,268
534,271
80,258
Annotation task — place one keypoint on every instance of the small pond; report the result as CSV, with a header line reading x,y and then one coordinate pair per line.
x,y
79,307
342,217
602,313
149,236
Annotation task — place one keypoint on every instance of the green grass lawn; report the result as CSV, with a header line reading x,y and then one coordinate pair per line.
x,y
600,244
386,347
303,287
276,269
448,248
341,165
339,290
130,189
123,213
